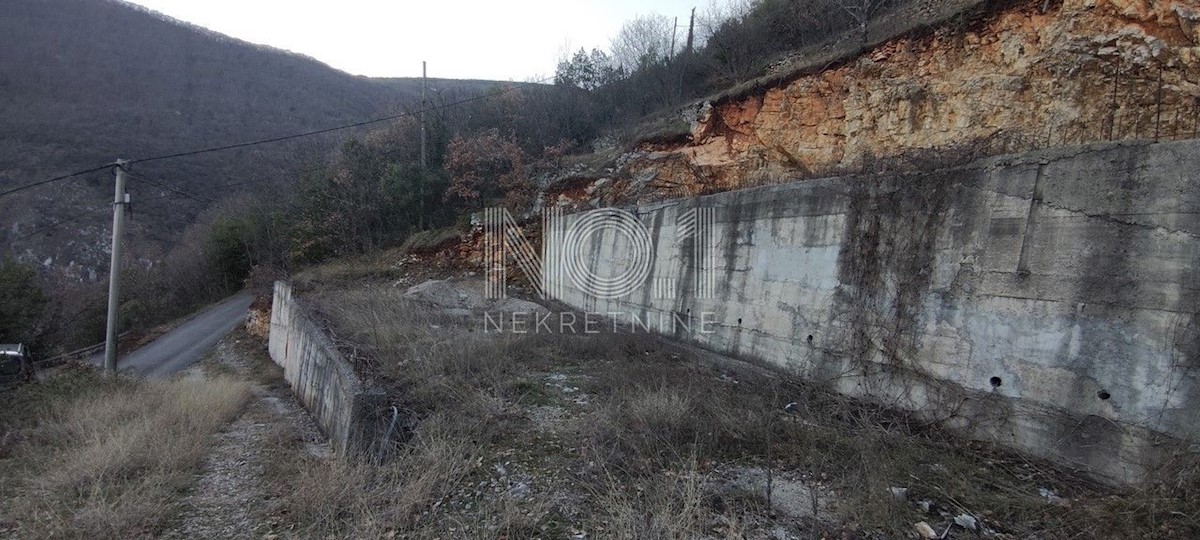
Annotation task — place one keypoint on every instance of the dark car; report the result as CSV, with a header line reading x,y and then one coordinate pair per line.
x,y
14,364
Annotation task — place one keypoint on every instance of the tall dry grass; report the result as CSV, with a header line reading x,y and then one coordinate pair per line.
x,y
345,498
652,415
88,456
662,506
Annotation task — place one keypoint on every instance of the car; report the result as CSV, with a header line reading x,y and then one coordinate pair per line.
x,y
15,364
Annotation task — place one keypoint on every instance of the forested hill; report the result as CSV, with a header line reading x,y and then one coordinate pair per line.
x,y
83,82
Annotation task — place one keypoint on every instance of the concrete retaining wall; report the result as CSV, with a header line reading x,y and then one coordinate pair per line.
x,y
1047,301
345,408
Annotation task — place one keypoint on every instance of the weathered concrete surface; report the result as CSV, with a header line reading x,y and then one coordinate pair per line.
x,y
1047,301
346,409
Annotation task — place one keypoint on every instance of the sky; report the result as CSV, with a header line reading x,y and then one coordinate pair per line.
x,y
518,40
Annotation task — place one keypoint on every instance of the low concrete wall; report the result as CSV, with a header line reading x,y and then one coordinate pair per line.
x,y
1047,301
345,408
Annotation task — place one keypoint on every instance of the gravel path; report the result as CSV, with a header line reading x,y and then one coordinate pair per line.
x,y
228,499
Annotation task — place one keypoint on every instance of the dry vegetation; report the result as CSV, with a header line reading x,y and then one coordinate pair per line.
x,y
624,436
88,456
406,264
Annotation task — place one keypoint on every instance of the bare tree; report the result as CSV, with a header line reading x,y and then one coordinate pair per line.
x,y
642,42
716,14
862,12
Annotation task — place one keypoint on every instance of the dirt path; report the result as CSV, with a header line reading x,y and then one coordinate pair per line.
x,y
229,499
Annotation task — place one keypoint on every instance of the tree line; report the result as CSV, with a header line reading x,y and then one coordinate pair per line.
x,y
373,192
654,63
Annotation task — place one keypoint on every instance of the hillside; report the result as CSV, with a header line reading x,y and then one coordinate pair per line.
x,y
88,81
870,269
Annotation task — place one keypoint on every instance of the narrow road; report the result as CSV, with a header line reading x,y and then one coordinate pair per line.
x,y
183,346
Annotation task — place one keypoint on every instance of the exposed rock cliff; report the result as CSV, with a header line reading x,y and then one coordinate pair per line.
x,y
1020,76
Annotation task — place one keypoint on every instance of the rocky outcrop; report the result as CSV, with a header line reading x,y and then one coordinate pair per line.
x,y
1017,78
258,318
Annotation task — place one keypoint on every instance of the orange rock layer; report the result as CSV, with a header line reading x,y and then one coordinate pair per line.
x,y
1017,79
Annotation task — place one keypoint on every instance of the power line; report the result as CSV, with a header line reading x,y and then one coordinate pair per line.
x,y
57,224
78,217
274,139
332,129
55,179
246,183
143,178
160,183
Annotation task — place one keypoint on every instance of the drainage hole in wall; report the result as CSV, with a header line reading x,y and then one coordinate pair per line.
x,y
996,382
739,322
1103,395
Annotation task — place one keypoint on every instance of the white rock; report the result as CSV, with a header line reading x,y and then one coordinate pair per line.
x,y
925,531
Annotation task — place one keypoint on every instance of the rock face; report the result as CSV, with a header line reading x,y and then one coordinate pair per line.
x,y
1014,80
258,318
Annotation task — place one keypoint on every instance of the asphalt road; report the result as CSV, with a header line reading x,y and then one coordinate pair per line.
x,y
178,349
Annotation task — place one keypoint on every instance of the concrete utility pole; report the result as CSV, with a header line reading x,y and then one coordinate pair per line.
x,y
120,201
674,28
691,31
424,105
424,152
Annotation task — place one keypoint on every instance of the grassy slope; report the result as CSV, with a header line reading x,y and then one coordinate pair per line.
x,y
89,456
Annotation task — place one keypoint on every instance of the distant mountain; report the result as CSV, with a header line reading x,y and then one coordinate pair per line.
x,y
83,82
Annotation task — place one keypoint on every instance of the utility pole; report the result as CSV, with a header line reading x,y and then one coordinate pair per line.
x,y
674,29
424,152
691,31
120,201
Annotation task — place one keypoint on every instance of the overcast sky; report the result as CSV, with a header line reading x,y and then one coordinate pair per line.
x,y
483,39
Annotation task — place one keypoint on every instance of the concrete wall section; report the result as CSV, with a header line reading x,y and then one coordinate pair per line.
x,y
344,407
1047,301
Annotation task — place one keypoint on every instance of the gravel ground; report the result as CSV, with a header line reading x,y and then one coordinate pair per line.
x,y
229,499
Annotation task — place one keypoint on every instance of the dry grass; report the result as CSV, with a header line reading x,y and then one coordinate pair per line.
x,y
342,498
640,457
391,264
90,456
666,506
386,264
432,240
338,498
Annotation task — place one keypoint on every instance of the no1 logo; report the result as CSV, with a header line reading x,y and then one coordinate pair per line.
x,y
569,248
